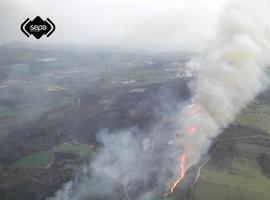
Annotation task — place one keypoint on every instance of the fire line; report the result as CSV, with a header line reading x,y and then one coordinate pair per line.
x,y
190,130
182,164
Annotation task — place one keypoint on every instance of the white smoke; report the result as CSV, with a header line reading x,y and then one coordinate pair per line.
x,y
231,74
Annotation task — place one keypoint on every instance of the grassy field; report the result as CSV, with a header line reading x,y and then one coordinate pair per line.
x,y
22,114
143,76
242,180
43,159
82,150
66,101
256,115
34,160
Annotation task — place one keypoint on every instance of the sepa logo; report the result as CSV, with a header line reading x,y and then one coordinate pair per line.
x,y
38,27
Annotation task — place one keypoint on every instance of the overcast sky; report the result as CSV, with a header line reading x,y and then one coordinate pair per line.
x,y
129,23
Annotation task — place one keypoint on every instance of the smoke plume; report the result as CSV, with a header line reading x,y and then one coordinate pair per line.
x,y
232,72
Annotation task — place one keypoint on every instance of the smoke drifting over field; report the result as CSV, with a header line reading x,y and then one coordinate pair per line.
x,y
231,74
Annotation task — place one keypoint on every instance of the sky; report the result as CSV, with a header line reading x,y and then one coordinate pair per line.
x,y
184,24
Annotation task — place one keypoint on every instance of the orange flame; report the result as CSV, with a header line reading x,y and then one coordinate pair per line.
x,y
182,163
191,130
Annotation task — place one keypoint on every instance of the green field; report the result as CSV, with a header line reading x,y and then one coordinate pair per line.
x,y
143,76
34,160
43,159
82,150
22,113
242,180
256,115
66,101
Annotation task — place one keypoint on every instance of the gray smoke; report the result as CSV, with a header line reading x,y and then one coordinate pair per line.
x,y
231,74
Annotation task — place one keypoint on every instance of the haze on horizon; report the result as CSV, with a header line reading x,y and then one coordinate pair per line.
x,y
174,24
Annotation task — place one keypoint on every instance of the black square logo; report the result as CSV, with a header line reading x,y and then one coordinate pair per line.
x,y
38,27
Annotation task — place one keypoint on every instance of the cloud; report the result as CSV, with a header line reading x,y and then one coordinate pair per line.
x,y
116,22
